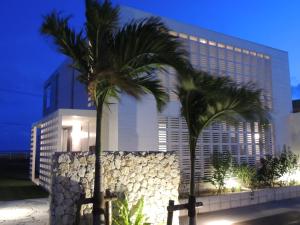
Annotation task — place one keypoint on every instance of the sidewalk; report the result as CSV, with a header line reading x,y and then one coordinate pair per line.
x,y
24,212
284,212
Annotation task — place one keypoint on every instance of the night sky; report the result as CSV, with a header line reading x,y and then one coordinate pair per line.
x,y
27,59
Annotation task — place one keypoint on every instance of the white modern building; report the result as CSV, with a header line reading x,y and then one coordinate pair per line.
x,y
69,123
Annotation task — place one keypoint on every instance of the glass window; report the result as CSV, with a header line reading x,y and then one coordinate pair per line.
x,y
181,35
212,43
237,49
229,47
173,33
193,38
220,45
203,41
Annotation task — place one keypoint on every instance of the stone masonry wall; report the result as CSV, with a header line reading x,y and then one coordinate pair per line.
x,y
154,176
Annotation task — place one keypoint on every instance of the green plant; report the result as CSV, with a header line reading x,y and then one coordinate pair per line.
x,y
112,59
246,175
288,161
123,215
222,164
269,171
273,168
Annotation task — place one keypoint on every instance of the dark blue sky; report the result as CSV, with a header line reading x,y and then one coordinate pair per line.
x,y
27,59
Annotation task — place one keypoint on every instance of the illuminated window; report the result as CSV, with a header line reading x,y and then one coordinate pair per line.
x,y
173,33
181,35
267,57
229,47
203,41
260,55
237,49
212,43
245,51
193,38
220,45
253,53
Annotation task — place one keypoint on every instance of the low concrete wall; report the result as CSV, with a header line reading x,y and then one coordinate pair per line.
x,y
154,176
234,200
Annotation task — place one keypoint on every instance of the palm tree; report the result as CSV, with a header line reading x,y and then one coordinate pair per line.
x,y
206,99
113,59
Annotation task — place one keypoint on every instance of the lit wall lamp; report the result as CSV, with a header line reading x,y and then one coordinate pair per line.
x,y
77,134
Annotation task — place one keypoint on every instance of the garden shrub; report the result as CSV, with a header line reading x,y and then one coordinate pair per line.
x,y
246,175
288,161
268,172
222,164
273,168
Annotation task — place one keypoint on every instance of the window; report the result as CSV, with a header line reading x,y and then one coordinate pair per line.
x,y
48,96
193,38
229,47
237,49
220,45
173,33
184,36
260,55
203,41
212,43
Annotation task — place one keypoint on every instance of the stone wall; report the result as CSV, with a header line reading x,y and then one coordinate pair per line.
x,y
154,176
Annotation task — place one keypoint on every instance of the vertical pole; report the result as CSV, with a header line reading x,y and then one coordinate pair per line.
x,y
170,212
108,208
192,210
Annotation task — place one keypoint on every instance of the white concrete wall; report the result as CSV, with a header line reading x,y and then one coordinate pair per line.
x,y
127,124
147,124
294,132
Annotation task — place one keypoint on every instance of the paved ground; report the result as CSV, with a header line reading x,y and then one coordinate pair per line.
x,y
24,212
286,212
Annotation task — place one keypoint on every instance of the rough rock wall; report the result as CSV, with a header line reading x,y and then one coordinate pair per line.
x,y
154,176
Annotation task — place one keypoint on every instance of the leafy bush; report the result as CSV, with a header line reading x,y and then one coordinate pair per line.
x,y
221,167
246,175
288,161
273,168
123,215
268,172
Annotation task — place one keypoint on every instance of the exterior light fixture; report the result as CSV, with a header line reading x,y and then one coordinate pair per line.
x,y
232,182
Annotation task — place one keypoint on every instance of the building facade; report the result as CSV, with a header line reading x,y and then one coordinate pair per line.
x,y
130,125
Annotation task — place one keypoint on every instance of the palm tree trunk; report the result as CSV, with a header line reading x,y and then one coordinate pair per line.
x,y
98,199
192,197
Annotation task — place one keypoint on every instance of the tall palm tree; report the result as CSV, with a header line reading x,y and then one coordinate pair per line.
x,y
206,99
113,59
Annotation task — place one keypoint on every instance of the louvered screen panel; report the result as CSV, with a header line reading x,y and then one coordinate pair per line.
x,y
48,145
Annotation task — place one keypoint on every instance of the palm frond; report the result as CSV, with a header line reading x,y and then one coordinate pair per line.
x,y
207,99
153,86
147,42
66,39
102,19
